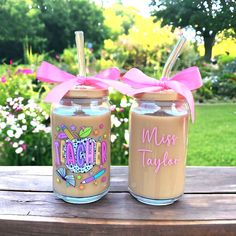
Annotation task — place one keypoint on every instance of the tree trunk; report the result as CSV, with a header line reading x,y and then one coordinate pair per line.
x,y
209,41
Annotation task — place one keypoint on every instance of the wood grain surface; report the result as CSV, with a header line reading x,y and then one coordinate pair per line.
x,y
28,206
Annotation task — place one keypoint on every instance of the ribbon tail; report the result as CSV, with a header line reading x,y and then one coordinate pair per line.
x,y
57,93
185,92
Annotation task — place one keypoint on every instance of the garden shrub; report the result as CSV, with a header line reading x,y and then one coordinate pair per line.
x,y
24,118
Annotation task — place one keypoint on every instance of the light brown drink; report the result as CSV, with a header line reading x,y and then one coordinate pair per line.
x,y
159,171
82,131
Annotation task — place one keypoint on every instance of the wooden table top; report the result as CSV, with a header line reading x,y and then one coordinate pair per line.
x,y
28,206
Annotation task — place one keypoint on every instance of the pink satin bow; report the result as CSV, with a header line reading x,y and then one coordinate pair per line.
x,y
182,83
51,74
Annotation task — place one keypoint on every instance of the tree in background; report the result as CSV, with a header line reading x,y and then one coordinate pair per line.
x,y
62,18
207,17
119,19
47,25
19,26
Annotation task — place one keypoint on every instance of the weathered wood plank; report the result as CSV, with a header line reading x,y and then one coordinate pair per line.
x,y
120,206
41,226
198,180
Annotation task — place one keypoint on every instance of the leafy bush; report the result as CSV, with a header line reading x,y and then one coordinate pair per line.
x,y
24,138
24,134
120,106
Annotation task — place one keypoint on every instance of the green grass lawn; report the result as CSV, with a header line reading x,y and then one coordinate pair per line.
x,y
212,138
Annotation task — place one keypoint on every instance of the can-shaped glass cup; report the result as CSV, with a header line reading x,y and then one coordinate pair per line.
x,y
158,147
81,145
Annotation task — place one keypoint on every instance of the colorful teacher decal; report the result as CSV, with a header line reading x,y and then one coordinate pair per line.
x,y
70,180
94,177
80,155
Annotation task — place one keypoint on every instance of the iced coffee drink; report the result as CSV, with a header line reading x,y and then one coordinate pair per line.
x,y
81,145
158,142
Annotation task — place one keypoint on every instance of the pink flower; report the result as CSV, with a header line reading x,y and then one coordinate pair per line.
x,y
24,146
11,61
113,108
24,71
18,109
3,79
7,139
57,56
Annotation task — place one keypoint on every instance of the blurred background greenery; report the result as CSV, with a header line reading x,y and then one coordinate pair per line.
x,y
122,36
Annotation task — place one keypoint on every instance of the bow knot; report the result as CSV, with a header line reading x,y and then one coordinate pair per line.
x,y
182,83
162,82
51,74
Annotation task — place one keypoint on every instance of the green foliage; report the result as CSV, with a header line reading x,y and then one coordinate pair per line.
x,y
62,18
69,60
219,80
119,19
47,25
20,81
120,136
207,17
20,25
146,46
24,136
212,136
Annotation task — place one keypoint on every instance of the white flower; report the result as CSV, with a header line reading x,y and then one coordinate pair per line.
x,y
19,150
24,127
21,142
33,123
3,125
33,114
126,136
9,99
10,120
46,116
123,102
47,130
10,133
115,121
13,127
18,133
113,138
30,101
31,105
15,145
21,116
24,121
15,106
126,120
20,99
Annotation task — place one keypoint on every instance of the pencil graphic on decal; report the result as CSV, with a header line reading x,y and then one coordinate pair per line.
x,y
94,177
67,132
